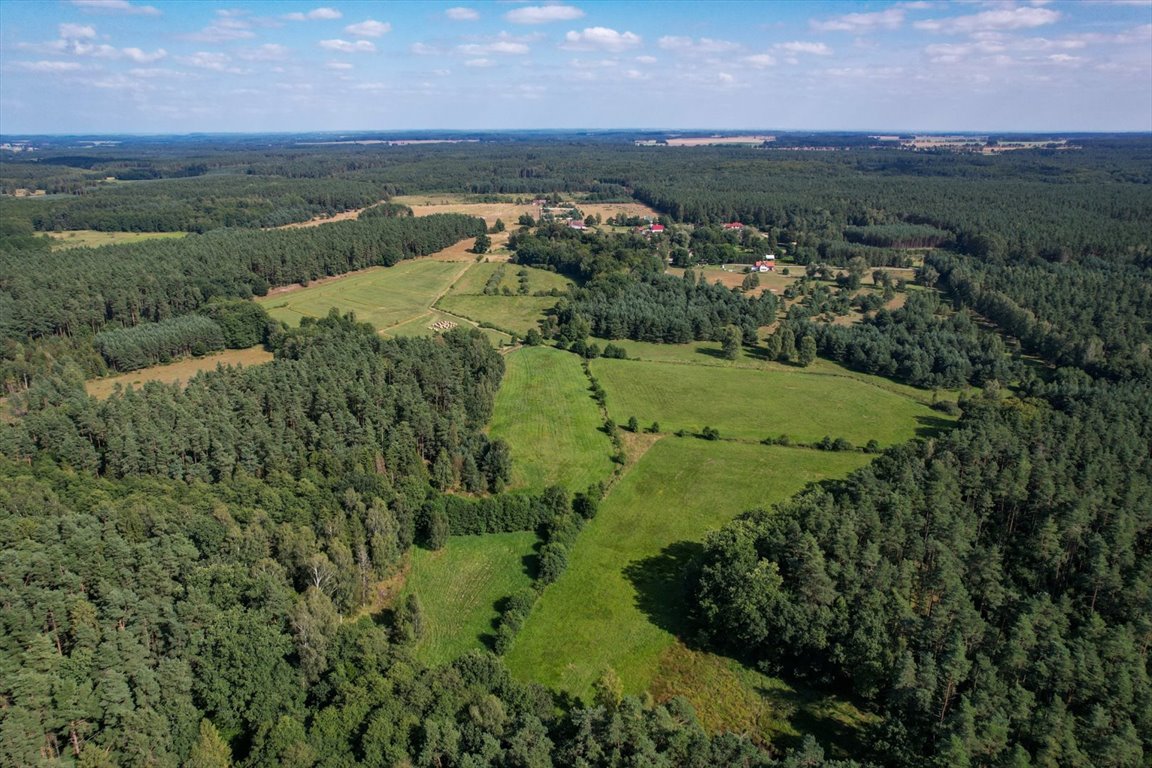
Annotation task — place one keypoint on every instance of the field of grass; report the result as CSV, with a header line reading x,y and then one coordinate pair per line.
x,y
383,296
754,404
519,314
545,412
90,238
621,600
182,370
459,586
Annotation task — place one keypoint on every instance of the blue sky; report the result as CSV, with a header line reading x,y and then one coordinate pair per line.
x,y
108,66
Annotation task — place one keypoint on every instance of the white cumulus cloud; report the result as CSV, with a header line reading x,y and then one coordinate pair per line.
x,y
143,57
1007,18
369,28
316,14
543,14
48,66
761,60
861,23
116,6
77,31
702,45
462,14
798,46
344,46
600,38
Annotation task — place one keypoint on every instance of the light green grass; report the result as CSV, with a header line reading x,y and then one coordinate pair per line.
x,y
546,414
459,586
514,313
622,596
385,297
423,325
90,238
754,404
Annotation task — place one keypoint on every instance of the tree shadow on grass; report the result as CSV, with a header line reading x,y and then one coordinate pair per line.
x,y
663,586
933,426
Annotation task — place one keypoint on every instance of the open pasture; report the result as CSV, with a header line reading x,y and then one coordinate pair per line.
x,y
754,404
546,414
619,605
459,586
383,296
180,371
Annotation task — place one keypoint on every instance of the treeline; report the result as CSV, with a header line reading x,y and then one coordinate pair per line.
x,y
898,235
337,399
839,252
152,622
195,204
583,256
85,290
1092,313
661,308
988,591
917,343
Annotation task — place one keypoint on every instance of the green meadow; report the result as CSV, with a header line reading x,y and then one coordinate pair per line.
x,y
752,404
619,603
459,586
545,412
386,297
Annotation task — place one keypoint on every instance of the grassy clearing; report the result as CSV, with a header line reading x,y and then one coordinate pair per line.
x,y
459,586
620,602
754,404
519,314
386,297
180,371
90,238
546,414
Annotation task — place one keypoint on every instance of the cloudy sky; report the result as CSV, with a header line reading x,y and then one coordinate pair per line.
x,y
149,66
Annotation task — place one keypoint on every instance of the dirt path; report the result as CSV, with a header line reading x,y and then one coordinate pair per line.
x,y
318,220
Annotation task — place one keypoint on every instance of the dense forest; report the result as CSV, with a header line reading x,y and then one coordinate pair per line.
x,y
188,573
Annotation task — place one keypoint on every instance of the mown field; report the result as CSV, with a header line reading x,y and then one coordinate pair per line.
x,y
755,404
620,602
516,313
459,586
546,414
180,371
386,297
91,238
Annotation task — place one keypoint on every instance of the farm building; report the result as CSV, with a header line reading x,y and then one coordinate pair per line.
x,y
734,225
576,224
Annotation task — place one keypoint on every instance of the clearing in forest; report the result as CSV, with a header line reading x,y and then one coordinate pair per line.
x,y
621,602
546,414
512,311
91,238
459,586
180,371
386,297
753,404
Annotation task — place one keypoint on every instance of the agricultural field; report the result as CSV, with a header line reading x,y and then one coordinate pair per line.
x,y
91,238
620,602
516,313
546,414
386,297
180,371
459,586
755,404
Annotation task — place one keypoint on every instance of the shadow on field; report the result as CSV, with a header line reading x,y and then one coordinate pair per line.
x,y
932,426
662,584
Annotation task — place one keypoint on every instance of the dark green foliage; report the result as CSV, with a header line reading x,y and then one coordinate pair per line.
x,y
127,349
86,289
984,590
563,249
243,323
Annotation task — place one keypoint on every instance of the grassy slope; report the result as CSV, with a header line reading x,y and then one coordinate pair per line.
x,y
459,586
546,414
384,297
754,404
619,602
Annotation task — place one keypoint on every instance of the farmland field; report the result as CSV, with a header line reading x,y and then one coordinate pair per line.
x,y
618,603
459,586
518,314
546,414
754,404
383,296
180,371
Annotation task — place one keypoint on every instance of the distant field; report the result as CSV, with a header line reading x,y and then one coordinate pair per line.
x,y
546,413
459,586
509,212
474,281
180,371
90,238
383,296
752,404
620,600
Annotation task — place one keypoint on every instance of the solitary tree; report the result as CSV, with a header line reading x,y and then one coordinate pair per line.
x,y
482,244
730,342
